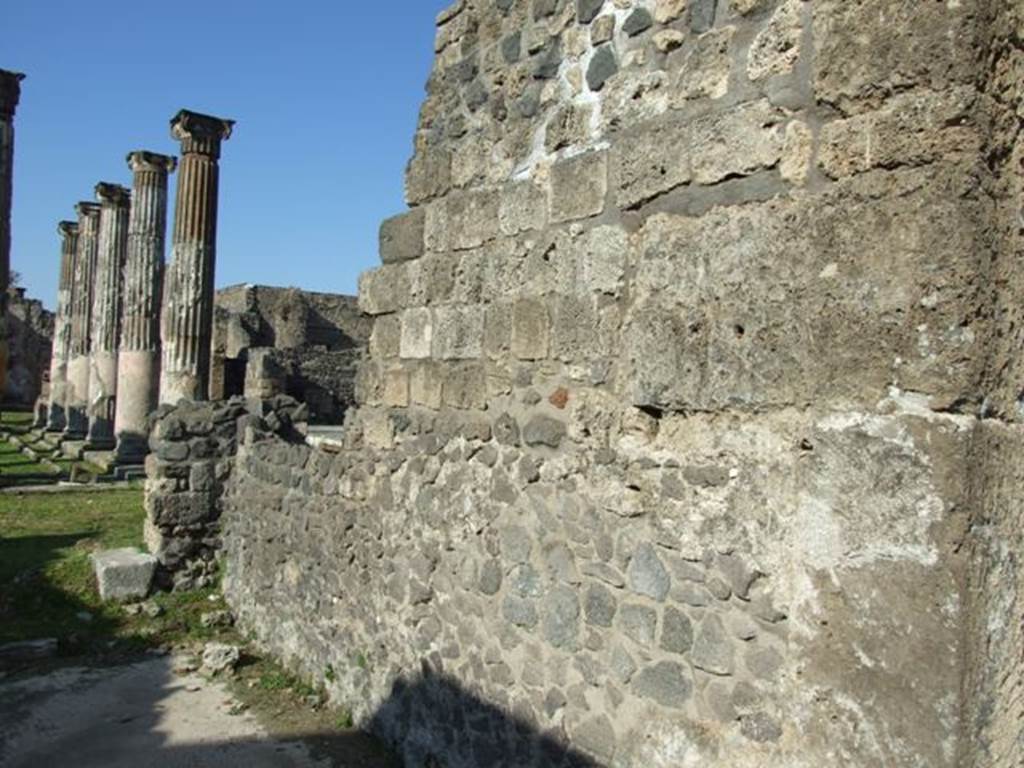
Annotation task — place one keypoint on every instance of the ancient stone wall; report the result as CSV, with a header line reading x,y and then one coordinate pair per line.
x,y
192,448
29,339
994,683
686,431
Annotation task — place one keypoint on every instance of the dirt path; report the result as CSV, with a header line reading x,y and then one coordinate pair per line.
x,y
144,714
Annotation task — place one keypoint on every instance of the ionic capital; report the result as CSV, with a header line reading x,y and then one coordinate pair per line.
x,y
113,195
87,209
200,134
142,160
10,92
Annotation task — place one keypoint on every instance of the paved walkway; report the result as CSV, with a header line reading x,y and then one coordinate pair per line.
x,y
143,715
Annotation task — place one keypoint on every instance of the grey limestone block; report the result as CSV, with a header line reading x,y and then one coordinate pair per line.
x,y
666,682
587,10
544,430
123,574
647,574
702,15
638,21
603,64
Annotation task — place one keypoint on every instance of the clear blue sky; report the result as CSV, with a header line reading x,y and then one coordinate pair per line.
x,y
326,96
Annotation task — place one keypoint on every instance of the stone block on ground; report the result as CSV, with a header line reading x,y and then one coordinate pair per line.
x,y
218,657
123,574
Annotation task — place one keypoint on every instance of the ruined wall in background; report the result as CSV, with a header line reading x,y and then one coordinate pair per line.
x,y
300,343
684,358
29,339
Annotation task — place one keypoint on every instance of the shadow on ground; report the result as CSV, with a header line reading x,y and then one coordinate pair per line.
x,y
144,714
32,606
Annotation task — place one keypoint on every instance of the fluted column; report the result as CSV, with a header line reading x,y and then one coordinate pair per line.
x,y
138,364
106,312
187,325
10,92
82,282
56,417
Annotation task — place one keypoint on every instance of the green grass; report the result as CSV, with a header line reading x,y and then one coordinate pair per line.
x,y
20,420
15,464
19,469
46,579
47,584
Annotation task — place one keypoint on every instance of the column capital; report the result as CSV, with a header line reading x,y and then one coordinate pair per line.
x,y
10,91
200,134
141,160
113,194
87,208
67,228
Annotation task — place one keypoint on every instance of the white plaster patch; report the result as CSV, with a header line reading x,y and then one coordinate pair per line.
x,y
819,536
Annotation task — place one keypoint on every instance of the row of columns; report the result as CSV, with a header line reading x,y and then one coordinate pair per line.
x,y
126,338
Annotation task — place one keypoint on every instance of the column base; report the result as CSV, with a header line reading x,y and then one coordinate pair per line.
x,y
99,444
130,452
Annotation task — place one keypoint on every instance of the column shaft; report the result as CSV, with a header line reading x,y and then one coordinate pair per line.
x,y
138,366
10,93
187,325
56,416
106,313
83,278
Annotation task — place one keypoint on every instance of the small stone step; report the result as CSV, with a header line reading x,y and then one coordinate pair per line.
x,y
102,459
124,574
72,449
130,472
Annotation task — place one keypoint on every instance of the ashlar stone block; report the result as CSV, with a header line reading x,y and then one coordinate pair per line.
x,y
916,128
704,68
530,329
473,218
465,386
866,51
602,256
123,574
385,340
384,290
522,208
428,176
668,154
417,333
579,187
401,237
425,384
497,329
776,49
458,332
396,388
